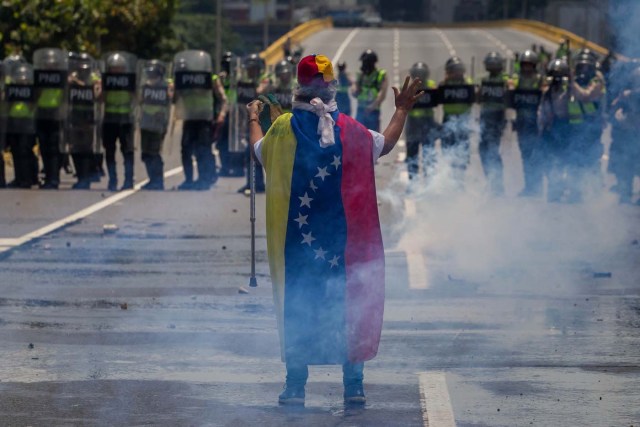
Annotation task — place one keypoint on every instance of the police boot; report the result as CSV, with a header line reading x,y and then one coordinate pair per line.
x,y
113,177
159,172
3,182
128,171
97,169
83,164
154,168
51,171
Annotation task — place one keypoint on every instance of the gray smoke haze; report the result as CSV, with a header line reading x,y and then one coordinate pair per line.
x,y
506,244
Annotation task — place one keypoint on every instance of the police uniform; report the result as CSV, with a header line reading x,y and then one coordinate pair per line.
x,y
492,124
454,135
248,90
587,122
368,88
555,122
154,119
50,82
195,106
118,86
20,136
624,152
82,118
421,133
526,127
342,94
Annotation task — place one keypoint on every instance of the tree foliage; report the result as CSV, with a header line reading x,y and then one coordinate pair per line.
x,y
199,32
94,26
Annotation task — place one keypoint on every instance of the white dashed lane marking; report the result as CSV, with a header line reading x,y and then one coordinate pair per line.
x,y
7,244
435,400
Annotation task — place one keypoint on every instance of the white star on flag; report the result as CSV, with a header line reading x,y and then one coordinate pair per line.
x,y
305,200
307,238
301,220
320,253
334,261
313,186
336,162
322,173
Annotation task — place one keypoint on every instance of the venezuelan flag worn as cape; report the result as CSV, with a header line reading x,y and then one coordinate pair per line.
x,y
324,241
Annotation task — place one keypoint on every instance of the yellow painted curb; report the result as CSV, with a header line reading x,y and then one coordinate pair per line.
x,y
275,53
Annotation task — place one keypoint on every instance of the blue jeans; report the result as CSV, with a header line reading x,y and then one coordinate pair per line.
x,y
352,374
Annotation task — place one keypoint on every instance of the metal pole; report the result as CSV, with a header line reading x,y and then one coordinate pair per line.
x,y
253,282
291,8
265,34
218,35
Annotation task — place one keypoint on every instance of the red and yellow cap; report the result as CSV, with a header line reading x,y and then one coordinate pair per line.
x,y
315,69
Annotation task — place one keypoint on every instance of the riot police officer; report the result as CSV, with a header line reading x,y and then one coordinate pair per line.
x,y
194,98
283,88
119,86
20,136
457,95
526,93
370,89
344,86
50,66
253,84
624,152
155,97
587,123
231,164
554,120
3,122
84,89
492,120
421,127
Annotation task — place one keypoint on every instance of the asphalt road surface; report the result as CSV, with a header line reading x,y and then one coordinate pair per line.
x,y
499,311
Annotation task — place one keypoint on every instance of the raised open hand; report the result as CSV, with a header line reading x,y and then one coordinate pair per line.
x,y
409,94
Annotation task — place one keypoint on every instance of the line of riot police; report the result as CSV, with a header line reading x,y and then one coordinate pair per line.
x,y
558,119
68,105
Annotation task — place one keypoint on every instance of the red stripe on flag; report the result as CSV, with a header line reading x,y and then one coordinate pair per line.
x,y
364,252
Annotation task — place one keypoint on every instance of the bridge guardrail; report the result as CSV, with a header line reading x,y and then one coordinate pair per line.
x,y
274,52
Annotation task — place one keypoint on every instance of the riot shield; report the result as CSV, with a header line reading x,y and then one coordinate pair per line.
x,y
154,96
119,87
20,99
493,93
3,110
83,108
50,82
235,144
193,85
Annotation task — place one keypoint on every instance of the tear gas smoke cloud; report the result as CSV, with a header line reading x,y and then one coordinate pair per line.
x,y
506,244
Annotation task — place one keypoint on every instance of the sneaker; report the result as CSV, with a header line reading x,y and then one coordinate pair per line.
x,y
354,395
244,189
292,395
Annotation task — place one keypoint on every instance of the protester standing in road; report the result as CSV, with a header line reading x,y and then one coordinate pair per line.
x,y
323,232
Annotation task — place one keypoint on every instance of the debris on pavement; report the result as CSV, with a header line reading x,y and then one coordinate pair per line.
x,y
602,275
243,290
109,228
124,306
31,346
